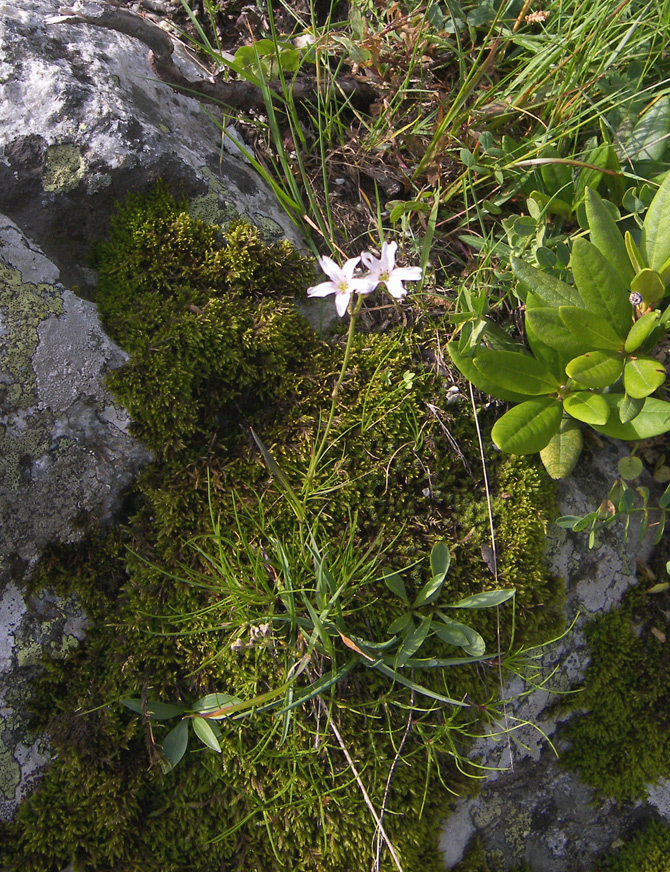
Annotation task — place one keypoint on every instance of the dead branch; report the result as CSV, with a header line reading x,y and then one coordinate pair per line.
x,y
236,94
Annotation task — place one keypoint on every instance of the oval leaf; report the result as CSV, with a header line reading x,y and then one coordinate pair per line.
x,y
429,592
596,369
602,288
396,585
440,559
560,456
205,733
552,291
213,702
158,711
642,376
630,467
174,746
605,235
516,372
467,366
590,329
629,409
414,641
587,407
544,324
653,420
641,330
400,624
655,242
485,600
528,427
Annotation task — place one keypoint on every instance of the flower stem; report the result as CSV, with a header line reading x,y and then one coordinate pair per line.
x,y
319,450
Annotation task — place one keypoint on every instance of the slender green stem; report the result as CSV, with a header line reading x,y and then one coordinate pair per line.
x,y
355,309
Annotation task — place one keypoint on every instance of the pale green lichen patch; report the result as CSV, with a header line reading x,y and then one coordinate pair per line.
x,y
10,771
19,449
64,168
23,307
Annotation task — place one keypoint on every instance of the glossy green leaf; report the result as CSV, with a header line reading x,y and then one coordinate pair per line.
x,y
587,407
606,236
634,253
642,376
591,178
215,701
648,139
206,734
396,585
630,408
557,177
413,641
630,467
544,325
602,288
466,365
528,427
158,711
429,592
653,420
655,242
401,624
451,632
516,372
550,290
562,452
649,284
440,559
174,746
590,329
596,369
485,600
641,330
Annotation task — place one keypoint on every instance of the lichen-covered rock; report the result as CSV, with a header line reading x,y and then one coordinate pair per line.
x,y
65,458
93,124
531,809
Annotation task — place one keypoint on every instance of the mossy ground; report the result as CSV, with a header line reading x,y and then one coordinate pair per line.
x,y
216,347
620,739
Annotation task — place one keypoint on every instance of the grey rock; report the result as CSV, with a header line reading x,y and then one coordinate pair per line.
x,y
65,458
83,121
530,809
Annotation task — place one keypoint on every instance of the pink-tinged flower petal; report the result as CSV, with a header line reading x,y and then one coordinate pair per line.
x,y
349,267
388,256
408,273
331,269
322,290
364,285
394,287
342,303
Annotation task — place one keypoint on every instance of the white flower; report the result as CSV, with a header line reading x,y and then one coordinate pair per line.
x,y
342,283
387,273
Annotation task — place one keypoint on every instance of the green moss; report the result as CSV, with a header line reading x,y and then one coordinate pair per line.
x,y
646,851
216,346
476,859
621,742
